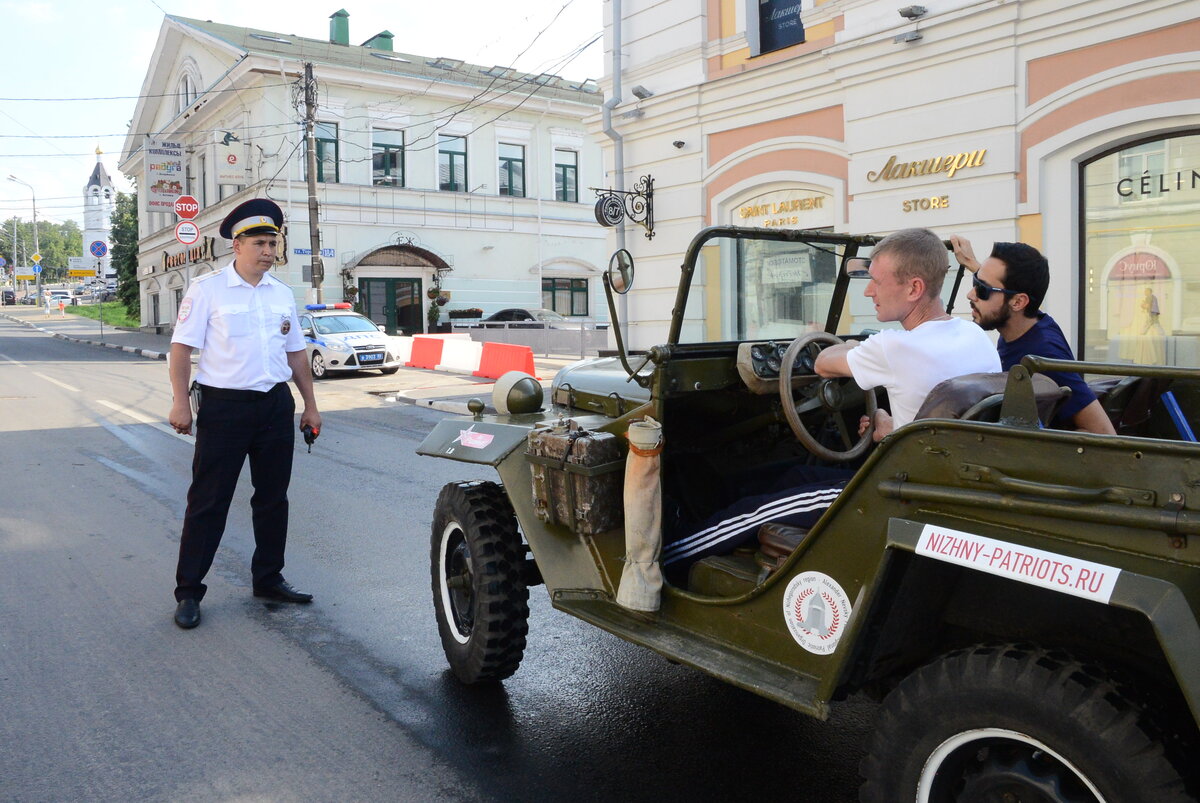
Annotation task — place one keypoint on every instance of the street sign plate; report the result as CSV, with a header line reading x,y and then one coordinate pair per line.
x,y
187,232
187,207
36,257
25,273
98,248
81,273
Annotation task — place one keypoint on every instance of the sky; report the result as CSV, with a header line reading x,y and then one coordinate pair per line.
x,y
60,49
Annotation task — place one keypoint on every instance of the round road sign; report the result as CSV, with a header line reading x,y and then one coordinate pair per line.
x,y
187,232
187,207
98,248
3,262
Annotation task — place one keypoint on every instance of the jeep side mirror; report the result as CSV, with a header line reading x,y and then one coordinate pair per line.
x,y
620,271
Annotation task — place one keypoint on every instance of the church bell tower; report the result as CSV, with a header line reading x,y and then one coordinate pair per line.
x,y
99,203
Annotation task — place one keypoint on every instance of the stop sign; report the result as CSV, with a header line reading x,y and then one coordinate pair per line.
x,y
187,207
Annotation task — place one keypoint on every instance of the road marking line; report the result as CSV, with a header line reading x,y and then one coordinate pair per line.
x,y
14,362
63,385
145,419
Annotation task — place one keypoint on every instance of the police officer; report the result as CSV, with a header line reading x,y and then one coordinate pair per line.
x,y
244,321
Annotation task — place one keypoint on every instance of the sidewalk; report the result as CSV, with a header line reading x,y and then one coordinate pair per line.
x,y
84,330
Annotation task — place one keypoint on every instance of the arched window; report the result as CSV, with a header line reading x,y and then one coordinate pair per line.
x,y
186,90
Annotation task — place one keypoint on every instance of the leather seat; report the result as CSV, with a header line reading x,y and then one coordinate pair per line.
x,y
977,397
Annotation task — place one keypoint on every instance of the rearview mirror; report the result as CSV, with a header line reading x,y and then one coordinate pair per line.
x,y
857,268
620,271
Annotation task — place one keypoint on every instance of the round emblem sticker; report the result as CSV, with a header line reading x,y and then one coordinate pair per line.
x,y
816,610
285,325
185,309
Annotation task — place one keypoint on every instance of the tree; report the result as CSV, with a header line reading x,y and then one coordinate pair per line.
x,y
57,242
124,236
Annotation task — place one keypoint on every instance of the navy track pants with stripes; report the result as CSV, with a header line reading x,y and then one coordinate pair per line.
x,y
797,505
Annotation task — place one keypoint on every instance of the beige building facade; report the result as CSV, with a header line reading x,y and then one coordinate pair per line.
x,y
1074,126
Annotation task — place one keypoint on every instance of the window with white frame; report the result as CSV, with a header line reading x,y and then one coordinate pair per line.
x,y
512,170
387,158
452,163
565,296
566,175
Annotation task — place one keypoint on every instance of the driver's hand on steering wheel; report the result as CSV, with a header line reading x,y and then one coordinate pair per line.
x,y
883,425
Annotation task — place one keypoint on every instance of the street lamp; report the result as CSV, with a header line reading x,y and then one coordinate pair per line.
x,y
36,248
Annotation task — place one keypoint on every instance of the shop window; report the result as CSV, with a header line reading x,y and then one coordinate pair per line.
x,y
1137,163
512,170
566,175
566,296
1140,235
387,158
452,163
326,136
773,25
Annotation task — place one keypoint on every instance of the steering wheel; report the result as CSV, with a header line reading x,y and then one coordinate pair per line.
x,y
833,395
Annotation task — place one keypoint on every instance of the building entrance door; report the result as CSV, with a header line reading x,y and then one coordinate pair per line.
x,y
395,303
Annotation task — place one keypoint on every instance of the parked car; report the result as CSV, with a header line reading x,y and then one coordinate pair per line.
x,y
8,297
538,318
338,339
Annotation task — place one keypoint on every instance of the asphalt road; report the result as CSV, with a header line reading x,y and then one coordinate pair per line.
x,y
103,698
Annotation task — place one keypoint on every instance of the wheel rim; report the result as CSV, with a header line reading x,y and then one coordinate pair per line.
x,y
456,583
994,764
318,365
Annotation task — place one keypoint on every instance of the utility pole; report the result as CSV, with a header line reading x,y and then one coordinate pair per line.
x,y
314,231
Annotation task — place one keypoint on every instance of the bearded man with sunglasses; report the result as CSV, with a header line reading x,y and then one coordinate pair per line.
x,y
1006,294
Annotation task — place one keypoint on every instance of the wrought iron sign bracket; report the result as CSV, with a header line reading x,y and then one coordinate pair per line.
x,y
638,205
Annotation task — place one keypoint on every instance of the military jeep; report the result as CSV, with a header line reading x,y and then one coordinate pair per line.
x,y
1021,598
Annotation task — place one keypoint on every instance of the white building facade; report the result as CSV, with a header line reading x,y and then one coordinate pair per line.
x,y
434,176
1073,126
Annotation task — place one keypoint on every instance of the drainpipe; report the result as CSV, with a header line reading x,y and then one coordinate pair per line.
x,y
618,150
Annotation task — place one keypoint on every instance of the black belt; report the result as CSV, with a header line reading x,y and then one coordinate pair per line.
x,y
230,394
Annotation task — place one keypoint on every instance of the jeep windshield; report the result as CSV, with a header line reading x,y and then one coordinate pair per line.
x,y
774,284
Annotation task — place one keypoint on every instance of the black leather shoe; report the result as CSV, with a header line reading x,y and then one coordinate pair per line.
x,y
187,613
283,592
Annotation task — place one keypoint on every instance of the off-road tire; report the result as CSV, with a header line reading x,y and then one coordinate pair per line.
x,y
319,371
984,724
484,621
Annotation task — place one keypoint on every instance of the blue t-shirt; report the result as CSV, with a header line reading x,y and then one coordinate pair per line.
x,y
1045,339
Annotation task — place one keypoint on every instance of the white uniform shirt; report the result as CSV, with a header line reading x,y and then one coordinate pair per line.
x,y
243,331
909,363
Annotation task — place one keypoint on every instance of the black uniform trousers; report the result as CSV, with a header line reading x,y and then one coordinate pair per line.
x,y
232,425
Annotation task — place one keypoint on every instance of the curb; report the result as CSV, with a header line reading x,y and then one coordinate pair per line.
x,y
147,353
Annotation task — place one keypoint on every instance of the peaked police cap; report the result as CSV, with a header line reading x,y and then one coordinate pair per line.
x,y
252,217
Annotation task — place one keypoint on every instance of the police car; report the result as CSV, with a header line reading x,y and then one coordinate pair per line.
x,y
338,339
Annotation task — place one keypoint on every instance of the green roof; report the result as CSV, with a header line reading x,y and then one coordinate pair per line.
x,y
499,79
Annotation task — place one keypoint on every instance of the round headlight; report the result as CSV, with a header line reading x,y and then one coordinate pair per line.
x,y
517,392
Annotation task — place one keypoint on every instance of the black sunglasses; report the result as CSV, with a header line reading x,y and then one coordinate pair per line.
x,y
984,292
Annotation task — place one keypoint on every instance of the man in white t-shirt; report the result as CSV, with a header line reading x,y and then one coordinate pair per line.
x,y
907,269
